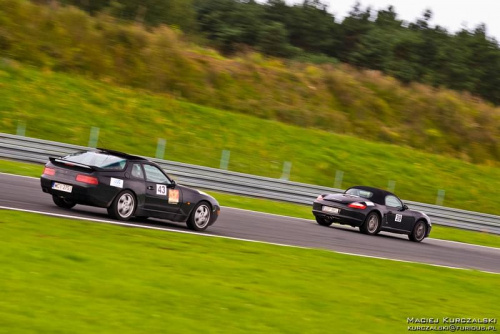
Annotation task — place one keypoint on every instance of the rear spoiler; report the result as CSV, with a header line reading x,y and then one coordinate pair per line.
x,y
59,161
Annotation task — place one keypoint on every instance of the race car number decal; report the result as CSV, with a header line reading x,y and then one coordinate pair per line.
x,y
116,183
173,196
398,218
161,189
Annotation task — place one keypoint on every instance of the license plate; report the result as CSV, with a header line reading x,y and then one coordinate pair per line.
x,y
329,209
62,187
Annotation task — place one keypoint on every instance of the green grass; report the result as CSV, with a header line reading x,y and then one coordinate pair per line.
x,y
63,108
60,275
281,208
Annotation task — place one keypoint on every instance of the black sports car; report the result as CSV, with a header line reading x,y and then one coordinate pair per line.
x,y
372,210
127,186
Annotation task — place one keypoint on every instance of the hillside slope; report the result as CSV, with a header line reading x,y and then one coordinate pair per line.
x,y
335,98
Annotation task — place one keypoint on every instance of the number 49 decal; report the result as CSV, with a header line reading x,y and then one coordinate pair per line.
x,y
398,218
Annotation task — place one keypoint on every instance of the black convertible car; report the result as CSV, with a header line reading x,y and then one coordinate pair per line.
x,y
372,210
127,186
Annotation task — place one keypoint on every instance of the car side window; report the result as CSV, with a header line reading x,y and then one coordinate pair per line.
x,y
393,202
137,171
154,174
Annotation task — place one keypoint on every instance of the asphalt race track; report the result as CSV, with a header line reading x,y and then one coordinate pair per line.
x,y
25,193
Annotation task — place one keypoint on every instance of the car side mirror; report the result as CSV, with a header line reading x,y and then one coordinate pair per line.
x,y
172,184
405,207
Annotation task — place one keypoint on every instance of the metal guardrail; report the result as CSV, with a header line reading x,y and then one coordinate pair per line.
x,y
38,151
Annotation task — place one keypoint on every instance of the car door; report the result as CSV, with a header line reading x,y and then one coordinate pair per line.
x,y
396,217
160,192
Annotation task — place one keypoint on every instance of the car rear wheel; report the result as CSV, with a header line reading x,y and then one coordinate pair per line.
x,y
371,225
200,217
63,202
123,207
323,221
419,231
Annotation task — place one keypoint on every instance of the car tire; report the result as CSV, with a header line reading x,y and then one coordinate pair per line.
x,y
123,206
323,221
371,225
63,202
419,231
200,217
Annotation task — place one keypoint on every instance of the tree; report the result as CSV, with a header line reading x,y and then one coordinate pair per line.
x,y
153,12
230,23
354,26
312,27
273,40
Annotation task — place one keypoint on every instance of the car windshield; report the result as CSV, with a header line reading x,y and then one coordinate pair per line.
x,y
359,192
96,159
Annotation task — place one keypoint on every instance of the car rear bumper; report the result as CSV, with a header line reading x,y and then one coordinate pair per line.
x,y
345,216
81,193
341,219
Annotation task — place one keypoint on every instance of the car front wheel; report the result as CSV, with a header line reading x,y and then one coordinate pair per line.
x,y
371,225
419,231
123,207
200,217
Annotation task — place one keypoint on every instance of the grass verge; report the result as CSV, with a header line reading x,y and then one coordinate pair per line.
x,y
60,275
282,208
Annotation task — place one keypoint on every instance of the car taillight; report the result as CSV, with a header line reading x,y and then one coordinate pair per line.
x,y
319,198
357,205
87,179
49,171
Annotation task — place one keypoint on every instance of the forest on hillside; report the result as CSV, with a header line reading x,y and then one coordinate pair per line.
x,y
468,60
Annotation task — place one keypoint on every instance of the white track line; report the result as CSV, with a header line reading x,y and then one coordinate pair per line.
x,y
231,238
144,226
301,219
405,261
464,243
270,214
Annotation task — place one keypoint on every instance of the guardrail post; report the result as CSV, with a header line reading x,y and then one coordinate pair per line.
x,y
160,148
94,136
338,179
287,167
224,160
440,197
21,128
391,186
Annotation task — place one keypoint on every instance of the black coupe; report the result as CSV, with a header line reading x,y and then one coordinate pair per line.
x,y
372,210
127,186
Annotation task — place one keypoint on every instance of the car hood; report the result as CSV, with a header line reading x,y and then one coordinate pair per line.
x,y
196,192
